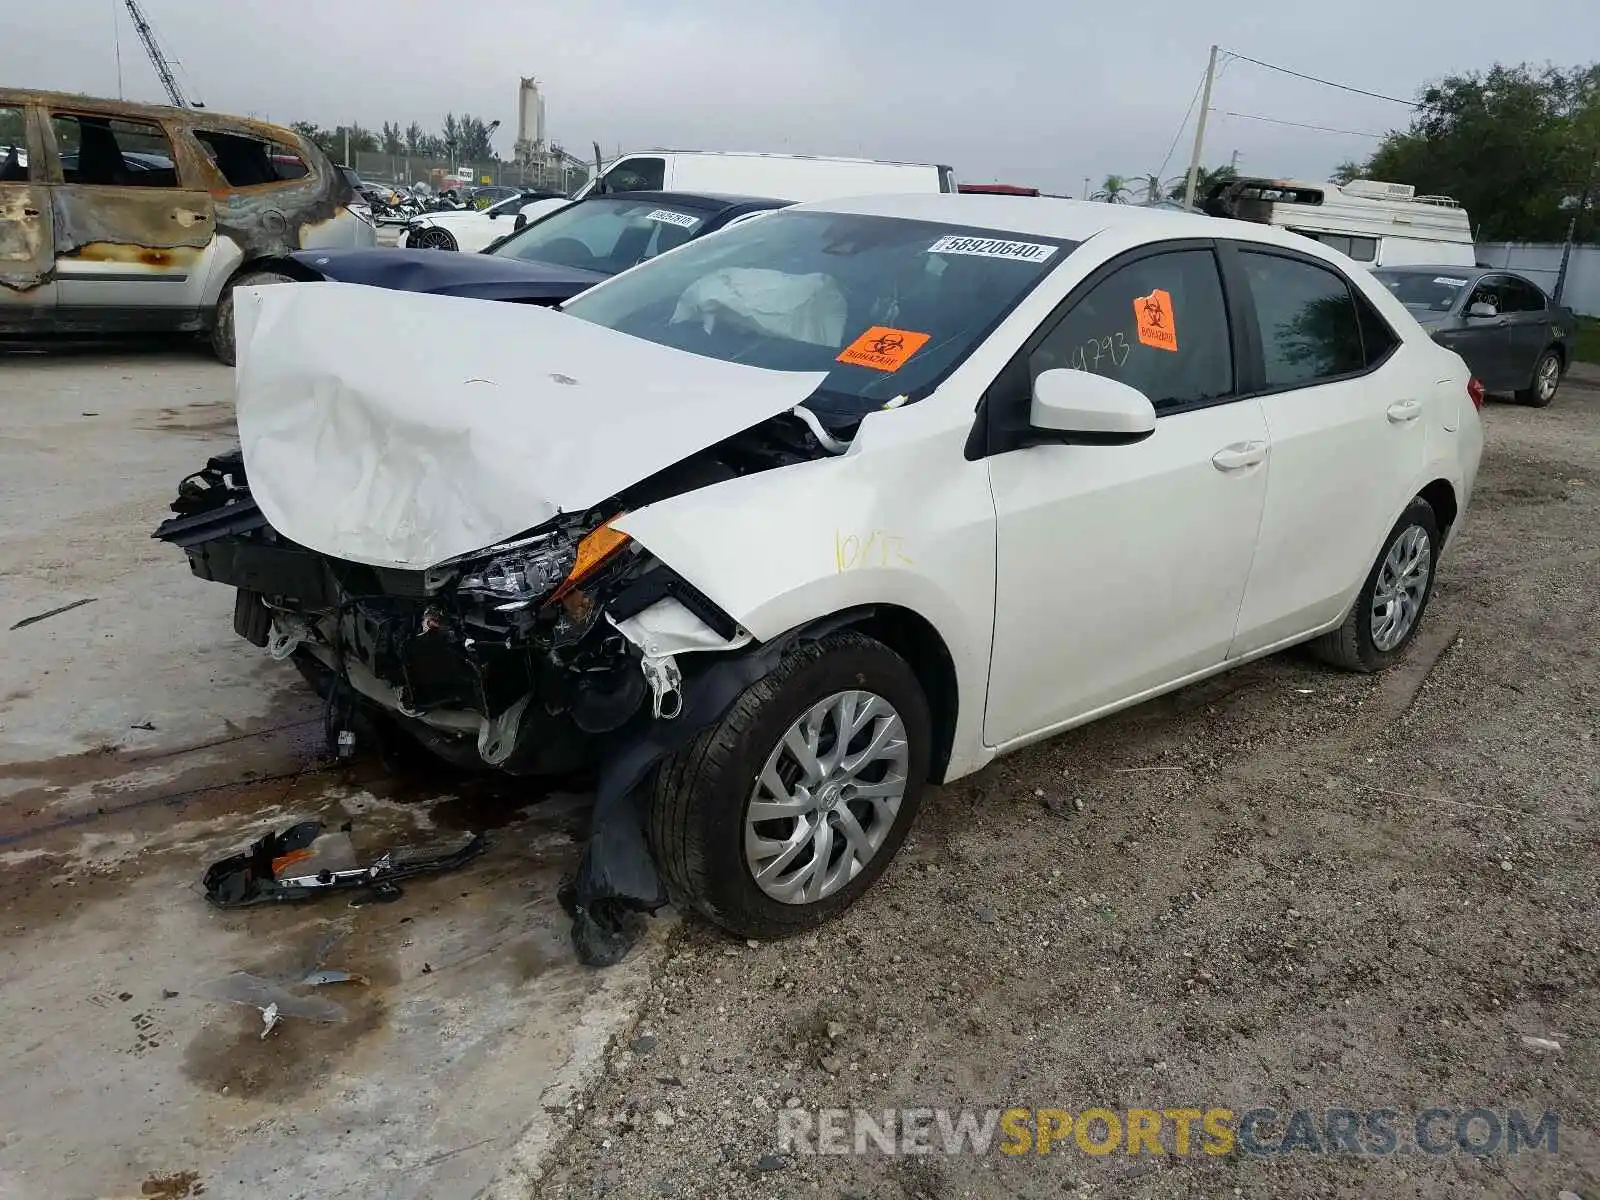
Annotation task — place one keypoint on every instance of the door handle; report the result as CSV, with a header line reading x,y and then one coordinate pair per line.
x,y
1405,410
30,212
1239,456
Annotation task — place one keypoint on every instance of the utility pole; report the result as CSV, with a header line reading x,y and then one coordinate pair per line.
x,y
1085,187
1234,162
1200,130
347,145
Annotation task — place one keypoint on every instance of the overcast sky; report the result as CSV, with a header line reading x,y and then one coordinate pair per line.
x,y
1029,91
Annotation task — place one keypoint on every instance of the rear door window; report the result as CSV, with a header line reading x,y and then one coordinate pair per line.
x,y
249,162
1310,325
113,151
1522,296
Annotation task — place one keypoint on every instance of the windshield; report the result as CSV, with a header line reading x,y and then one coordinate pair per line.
x,y
885,306
1423,290
604,234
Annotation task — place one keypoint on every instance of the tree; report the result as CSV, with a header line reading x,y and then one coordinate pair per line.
x,y
1204,180
1153,188
1516,146
393,145
1114,189
473,140
323,139
1346,171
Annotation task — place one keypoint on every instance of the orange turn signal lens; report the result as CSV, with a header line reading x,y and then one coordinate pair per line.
x,y
597,546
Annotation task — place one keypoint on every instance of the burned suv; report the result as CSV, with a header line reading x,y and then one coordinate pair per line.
x,y
138,218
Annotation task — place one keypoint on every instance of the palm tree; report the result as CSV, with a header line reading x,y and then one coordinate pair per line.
x,y
1204,180
1153,188
1114,189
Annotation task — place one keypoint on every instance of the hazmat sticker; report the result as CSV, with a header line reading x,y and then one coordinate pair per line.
x,y
667,217
882,348
1032,252
1448,282
1152,316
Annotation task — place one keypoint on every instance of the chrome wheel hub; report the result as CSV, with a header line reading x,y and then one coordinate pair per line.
x,y
1402,583
826,798
1549,377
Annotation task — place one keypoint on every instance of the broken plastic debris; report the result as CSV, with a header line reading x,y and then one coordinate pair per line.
x,y
269,1020
302,862
252,991
319,978
1540,1044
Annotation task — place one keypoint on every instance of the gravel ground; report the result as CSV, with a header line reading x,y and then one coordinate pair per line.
x,y
1286,887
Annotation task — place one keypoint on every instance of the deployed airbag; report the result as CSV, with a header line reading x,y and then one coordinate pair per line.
x,y
400,430
803,308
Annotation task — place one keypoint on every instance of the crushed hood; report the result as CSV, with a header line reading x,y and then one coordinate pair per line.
x,y
401,430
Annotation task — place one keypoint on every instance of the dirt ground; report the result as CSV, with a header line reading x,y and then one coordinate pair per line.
x,y
140,740
1286,887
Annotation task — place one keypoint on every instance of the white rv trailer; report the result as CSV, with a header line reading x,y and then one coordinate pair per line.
x,y
1376,223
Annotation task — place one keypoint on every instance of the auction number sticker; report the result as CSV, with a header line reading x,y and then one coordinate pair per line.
x,y
667,217
1448,282
882,348
1031,252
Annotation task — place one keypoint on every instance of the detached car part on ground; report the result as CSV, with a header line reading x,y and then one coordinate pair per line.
x,y
138,218
551,260
776,528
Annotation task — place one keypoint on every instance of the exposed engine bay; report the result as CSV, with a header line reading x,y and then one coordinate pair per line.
x,y
517,657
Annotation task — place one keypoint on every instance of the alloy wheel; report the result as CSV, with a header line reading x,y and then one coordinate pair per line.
x,y
1549,379
1401,585
432,239
827,797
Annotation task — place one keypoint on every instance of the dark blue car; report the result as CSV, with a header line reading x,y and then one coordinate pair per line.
x,y
553,258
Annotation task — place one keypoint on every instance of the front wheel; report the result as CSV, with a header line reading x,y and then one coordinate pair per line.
x,y
1546,379
782,814
1389,608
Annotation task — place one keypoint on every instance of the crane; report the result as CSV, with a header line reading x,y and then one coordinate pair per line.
x,y
163,65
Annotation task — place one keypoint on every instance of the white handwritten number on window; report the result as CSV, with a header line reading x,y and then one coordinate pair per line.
x,y
1112,351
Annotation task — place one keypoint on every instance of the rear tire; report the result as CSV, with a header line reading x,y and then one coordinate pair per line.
x,y
1373,637
432,238
222,340
700,815
1546,379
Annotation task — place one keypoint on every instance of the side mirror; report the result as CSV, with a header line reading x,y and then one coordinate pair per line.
x,y
1078,406
522,219
1480,309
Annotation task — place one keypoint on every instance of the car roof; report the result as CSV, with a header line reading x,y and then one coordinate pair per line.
x,y
709,200
1048,216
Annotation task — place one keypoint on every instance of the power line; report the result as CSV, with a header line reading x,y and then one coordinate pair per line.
x,y
1325,82
1182,125
1299,125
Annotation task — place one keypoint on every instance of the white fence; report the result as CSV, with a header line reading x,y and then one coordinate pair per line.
x,y
1541,262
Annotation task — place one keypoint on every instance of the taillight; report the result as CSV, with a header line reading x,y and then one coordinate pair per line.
x,y
1475,391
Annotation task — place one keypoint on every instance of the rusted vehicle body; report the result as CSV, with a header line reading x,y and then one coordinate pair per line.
x,y
140,218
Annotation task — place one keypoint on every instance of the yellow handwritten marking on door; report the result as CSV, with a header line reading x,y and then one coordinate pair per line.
x,y
876,549
882,348
1152,317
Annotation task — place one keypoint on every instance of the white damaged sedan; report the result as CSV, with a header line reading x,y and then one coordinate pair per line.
x,y
776,528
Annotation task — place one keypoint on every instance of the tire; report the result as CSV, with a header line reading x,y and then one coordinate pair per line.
x,y
1363,643
701,796
432,238
1546,379
222,343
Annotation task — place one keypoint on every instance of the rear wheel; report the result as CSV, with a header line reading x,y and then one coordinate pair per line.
x,y
783,813
1389,609
1546,379
431,239
222,340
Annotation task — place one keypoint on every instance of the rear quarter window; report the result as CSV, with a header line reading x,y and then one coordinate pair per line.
x,y
246,161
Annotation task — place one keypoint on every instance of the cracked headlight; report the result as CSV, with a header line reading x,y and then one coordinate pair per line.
x,y
519,573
